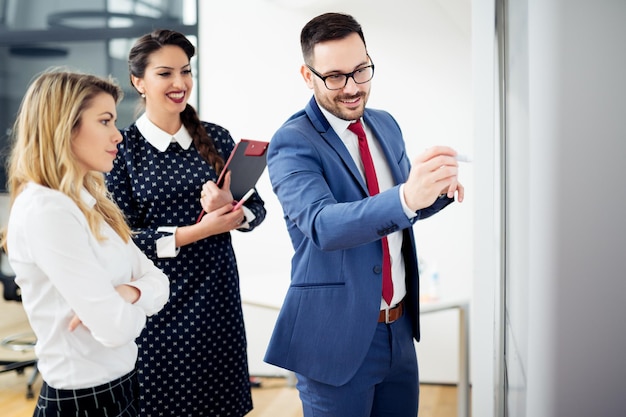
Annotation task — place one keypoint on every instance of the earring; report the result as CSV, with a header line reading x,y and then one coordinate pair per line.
x,y
143,95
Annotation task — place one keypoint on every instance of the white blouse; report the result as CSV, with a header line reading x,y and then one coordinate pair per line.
x,y
63,270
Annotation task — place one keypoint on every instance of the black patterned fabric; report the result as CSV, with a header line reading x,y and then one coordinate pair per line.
x,y
117,398
192,354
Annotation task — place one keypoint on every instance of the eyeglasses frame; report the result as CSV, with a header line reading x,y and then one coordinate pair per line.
x,y
348,75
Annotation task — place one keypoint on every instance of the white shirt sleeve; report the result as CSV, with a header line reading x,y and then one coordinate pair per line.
x,y
76,264
150,281
409,213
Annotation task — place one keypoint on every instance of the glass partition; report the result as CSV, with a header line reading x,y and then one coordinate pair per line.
x,y
93,36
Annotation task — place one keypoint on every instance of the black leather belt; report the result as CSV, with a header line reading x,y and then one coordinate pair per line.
x,y
390,315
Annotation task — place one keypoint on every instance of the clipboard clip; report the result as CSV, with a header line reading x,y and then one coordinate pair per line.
x,y
255,148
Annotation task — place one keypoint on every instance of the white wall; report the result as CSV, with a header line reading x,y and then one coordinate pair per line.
x,y
577,336
567,237
485,322
249,57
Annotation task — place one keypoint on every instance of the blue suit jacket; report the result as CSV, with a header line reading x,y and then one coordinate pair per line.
x,y
331,309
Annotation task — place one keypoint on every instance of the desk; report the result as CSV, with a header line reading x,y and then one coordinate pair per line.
x,y
463,399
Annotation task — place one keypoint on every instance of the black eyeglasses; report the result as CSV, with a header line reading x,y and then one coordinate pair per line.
x,y
339,81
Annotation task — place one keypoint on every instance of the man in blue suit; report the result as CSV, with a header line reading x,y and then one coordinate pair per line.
x,y
352,350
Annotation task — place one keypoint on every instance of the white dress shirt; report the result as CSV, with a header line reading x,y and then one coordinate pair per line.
x,y
385,182
63,270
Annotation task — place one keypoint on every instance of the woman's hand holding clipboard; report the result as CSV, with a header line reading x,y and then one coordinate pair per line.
x,y
245,165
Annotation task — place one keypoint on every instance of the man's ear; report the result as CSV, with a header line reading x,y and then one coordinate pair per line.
x,y
307,75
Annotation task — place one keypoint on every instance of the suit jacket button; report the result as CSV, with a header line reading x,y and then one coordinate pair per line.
x,y
378,269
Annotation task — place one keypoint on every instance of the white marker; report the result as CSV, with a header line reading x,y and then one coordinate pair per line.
x,y
239,203
461,157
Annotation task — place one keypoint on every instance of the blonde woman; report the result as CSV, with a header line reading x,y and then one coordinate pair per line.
x,y
86,287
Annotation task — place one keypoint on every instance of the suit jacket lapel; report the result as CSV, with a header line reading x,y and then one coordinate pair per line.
x,y
334,141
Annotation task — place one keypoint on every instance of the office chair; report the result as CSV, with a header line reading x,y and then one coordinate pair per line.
x,y
22,342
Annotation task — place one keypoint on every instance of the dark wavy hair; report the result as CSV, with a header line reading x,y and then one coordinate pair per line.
x,y
137,62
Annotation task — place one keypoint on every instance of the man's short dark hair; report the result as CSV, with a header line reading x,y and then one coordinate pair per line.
x,y
327,27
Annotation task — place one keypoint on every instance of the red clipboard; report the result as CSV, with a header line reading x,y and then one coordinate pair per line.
x,y
246,164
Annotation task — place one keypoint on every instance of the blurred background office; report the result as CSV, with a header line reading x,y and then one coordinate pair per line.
x,y
247,78
532,89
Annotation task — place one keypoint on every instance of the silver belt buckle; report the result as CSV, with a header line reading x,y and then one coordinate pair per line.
x,y
387,321
387,316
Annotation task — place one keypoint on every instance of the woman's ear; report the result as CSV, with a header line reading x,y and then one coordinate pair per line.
x,y
138,84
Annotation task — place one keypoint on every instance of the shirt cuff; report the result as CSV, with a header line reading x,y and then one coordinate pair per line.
x,y
248,217
166,244
409,213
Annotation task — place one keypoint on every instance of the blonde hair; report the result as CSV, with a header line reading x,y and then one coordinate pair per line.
x,y
47,121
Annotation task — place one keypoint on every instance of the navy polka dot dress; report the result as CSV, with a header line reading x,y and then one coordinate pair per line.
x,y
192,354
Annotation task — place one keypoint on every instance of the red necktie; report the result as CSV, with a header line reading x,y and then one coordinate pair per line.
x,y
372,186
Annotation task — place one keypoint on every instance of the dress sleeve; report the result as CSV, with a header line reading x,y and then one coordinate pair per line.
x,y
118,181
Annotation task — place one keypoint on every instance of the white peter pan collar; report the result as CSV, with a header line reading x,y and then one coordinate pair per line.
x,y
159,138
